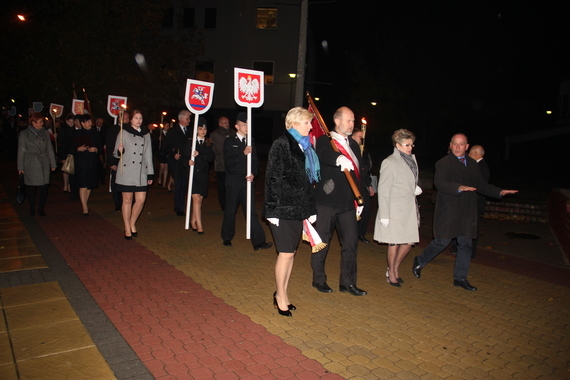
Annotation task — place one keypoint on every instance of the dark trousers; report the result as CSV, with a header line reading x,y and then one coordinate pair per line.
x,y
41,193
345,223
117,196
180,190
221,180
462,260
365,215
236,196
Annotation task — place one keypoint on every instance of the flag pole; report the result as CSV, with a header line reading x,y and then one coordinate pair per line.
x,y
191,177
248,183
346,172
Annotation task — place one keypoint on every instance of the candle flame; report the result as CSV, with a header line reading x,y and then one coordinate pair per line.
x,y
363,121
123,106
164,113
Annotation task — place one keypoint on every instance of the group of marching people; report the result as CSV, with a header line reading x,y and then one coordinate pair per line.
x,y
311,188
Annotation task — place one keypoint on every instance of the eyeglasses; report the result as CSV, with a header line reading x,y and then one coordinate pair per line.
x,y
412,145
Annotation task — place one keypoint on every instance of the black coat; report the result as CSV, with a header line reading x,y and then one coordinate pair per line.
x,y
288,193
456,212
174,144
201,165
235,161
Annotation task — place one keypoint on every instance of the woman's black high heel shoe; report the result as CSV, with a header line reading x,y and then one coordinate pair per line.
x,y
134,234
285,313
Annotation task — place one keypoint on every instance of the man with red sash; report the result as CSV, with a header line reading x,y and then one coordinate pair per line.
x,y
336,205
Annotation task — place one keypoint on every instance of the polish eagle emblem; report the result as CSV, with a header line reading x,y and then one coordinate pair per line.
x,y
249,88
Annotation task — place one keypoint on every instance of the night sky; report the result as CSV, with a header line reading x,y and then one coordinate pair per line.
x,y
483,68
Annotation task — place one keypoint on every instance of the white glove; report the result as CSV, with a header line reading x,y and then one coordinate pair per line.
x,y
418,190
384,222
274,221
344,163
312,219
359,210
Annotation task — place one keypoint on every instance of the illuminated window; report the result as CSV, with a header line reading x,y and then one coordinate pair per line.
x,y
267,68
266,18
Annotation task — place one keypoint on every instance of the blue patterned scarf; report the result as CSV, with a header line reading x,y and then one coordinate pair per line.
x,y
312,166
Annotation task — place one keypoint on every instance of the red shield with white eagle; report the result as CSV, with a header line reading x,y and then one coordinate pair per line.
x,y
114,104
199,95
248,87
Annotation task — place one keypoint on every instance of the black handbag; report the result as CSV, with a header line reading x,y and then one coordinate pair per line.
x,y
21,193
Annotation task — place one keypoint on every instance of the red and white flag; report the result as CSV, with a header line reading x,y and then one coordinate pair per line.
x,y
318,129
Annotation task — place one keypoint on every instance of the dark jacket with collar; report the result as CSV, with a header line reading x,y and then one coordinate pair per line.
x,y
288,193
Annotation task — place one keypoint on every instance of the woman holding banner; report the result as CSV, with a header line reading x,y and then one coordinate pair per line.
x,y
292,169
135,171
200,159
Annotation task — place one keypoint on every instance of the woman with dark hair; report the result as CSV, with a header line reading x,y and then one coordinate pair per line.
x,y
397,222
135,171
292,170
201,158
163,178
35,160
86,148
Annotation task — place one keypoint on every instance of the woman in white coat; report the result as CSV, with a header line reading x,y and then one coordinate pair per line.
x,y
397,221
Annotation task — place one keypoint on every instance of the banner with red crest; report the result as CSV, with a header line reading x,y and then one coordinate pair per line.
x,y
77,106
114,105
56,109
248,87
198,96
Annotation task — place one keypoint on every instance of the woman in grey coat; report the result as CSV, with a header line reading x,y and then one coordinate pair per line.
x,y
135,171
397,221
35,160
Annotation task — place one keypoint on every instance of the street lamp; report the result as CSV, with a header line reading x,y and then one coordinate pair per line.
x,y
292,76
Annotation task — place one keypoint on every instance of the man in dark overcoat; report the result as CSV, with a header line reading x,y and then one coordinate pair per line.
x,y
176,140
458,180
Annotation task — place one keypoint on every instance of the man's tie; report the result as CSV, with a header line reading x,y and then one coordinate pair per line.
x,y
463,160
184,130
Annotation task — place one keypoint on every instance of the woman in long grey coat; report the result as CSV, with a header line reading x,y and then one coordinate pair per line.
x,y
397,221
135,171
35,160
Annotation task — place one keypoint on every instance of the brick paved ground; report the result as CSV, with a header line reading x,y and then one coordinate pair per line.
x,y
191,308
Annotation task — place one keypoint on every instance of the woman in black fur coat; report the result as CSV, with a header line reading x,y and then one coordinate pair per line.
x,y
292,171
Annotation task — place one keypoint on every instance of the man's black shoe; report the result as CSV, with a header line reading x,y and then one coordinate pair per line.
x,y
227,243
259,247
417,268
352,289
464,284
363,239
322,287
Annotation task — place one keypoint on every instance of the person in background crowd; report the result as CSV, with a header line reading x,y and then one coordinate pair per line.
x,y
35,160
219,136
87,146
